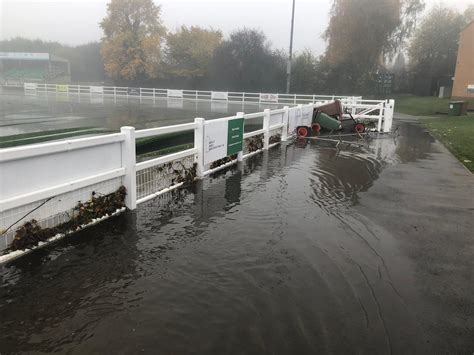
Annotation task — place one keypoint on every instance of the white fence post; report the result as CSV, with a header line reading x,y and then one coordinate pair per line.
x,y
266,128
284,129
129,163
388,115
240,155
381,112
199,145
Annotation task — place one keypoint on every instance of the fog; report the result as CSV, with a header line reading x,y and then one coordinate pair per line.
x,y
76,21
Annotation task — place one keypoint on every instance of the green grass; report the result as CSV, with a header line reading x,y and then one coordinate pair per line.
x,y
423,105
457,134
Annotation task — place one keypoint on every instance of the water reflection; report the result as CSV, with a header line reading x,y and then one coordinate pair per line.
x,y
39,111
78,281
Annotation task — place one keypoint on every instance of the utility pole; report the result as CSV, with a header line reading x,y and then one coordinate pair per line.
x,y
288,67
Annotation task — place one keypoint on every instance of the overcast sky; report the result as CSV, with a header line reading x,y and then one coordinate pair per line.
x,y
76,21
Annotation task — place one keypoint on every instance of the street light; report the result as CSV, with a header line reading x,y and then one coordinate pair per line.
x,y
288,67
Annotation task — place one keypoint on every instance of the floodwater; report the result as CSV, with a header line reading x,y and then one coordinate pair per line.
x,y
281,255
41,112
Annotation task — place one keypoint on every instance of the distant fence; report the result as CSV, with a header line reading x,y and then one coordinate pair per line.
x,y
47,180
371,110
223,96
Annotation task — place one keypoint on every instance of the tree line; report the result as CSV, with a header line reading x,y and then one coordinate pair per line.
x,y
363,37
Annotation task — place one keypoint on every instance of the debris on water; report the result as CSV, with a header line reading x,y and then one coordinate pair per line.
x,y
30,234
223,161
275,139
178,171
254,143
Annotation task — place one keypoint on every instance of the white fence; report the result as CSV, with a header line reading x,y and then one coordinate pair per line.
x,y
379,111
116,91
45,181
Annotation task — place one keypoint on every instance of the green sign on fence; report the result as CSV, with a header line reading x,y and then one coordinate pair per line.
x,y
235,136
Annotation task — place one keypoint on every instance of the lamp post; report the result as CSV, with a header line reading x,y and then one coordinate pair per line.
x,y
288,67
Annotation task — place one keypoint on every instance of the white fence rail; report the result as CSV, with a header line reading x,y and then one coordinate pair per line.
x,y
45,181
200,95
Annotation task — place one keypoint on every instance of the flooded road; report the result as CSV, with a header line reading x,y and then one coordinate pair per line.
x,y
301,250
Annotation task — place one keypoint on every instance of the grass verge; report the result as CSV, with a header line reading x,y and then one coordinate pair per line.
x,y
424,105
457,134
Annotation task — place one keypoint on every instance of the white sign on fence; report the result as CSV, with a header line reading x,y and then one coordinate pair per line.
x,y
222,138
97,90
269,97
175,93
294,119
218,95
215,140
306,115
299,116
30,86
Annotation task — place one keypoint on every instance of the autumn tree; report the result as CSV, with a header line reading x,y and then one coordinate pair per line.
x,y
246,62
433,48
189,51
362,32
133,34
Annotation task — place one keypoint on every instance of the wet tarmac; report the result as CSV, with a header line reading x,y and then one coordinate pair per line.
x,y
300,250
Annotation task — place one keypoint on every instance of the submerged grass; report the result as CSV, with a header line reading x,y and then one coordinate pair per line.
x,y
457,134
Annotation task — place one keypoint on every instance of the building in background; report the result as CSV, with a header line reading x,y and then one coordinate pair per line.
x,y
464,75
17,68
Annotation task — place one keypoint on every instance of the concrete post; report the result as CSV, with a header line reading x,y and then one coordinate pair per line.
x,y
199,145
129,163
284,130
266,128
240,155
